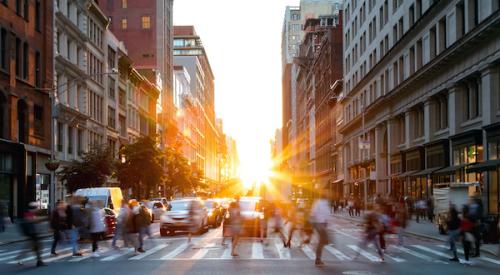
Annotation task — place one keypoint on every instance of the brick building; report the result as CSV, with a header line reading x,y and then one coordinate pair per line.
x,y
26,78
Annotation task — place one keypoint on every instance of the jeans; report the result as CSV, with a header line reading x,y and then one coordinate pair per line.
x,y
57,239
95,238
401,232
323,239
73,233
143,231
452,238
118,233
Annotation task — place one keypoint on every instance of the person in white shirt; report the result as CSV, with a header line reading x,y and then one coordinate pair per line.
x,y
320,214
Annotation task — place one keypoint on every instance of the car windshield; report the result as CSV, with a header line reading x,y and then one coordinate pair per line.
x,y
179,205
101,200
247,205
148,204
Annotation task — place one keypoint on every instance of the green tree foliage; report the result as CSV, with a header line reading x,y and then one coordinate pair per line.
x,y
181,176
96,166
140,167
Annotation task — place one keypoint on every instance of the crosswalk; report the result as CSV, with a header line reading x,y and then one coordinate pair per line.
x,y
249,249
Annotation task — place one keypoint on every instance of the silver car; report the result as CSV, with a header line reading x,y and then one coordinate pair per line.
x,y
178,218
156,208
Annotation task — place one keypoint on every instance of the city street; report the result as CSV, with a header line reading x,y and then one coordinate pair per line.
x,y
206,255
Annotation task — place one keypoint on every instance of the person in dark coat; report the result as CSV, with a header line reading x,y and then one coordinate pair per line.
x,y
453,224
59,224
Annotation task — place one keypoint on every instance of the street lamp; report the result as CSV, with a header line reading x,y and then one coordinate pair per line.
x,y
364,145
53,164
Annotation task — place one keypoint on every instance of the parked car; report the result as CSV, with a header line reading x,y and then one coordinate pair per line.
x,y
178,218
108,197
252,213
156,209
110,221
215,213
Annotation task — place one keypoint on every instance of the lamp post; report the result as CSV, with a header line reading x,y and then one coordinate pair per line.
x,y
363,145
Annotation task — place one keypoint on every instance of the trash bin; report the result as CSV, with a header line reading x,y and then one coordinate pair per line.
x,y
491,226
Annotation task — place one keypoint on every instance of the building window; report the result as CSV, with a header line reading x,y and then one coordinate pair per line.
x,y
432,42
3,49
38,79
442,112
122,98
38,15
26,10
124,4
411,13
95,106
79,142
419,122
18,57
124,24
111,88
472,99
146,22
59,136
70,140
18,7
38,119
419,56
442,34
402,129
460,20
25,60
111,58
3,115
111,117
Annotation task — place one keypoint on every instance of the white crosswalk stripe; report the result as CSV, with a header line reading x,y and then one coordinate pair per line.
x,y
416,254
282,252
227,253
121,253
149,252
308,251
364,253
257,251
34,257
480,258
178,250
421,247
341,256
202,252
89,255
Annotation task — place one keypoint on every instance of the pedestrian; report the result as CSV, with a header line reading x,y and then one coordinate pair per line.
x,y
401,221
453,225
384,218
263,221
59,224
142,219
97,225
430,209
476,217
357,206
292,223
28,226
320,215
278,223
77,220
350,206
372,227
466,229
192,216
122,225
235,216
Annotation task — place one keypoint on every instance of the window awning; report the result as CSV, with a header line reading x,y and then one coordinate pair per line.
x,y
484,166
449,170
427,171
407,173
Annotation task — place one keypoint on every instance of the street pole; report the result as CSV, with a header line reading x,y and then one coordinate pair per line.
x,y
364,142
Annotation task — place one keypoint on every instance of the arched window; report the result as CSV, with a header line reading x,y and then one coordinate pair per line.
x,y
3,116
22,121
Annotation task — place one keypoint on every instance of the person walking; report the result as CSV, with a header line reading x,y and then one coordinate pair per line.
x,y
142,220
453,225
121,225
401,221
350,206
372,227
476,217
97,226
28,226
466,229
77,220
235,216
59,224
430,209
320,214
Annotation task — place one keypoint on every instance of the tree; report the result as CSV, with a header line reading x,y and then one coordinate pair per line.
x,y
182,177
140,167
94,169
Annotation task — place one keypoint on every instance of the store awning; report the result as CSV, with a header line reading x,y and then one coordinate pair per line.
x,y
406,174
427,171
484,166
449,170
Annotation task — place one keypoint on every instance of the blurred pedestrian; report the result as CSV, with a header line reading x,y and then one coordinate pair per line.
x,y
29,228
372,227
350,206
320,215
357,207
122,225
59,224
453,225
466,229
192,216
235,216
292,223
476,217
401,221
264,221
77,221
97,225
430,209
142,219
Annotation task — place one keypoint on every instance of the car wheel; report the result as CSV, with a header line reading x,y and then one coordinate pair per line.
x,y
163,233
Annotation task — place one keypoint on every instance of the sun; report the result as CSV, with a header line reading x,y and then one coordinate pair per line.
x,y
254,173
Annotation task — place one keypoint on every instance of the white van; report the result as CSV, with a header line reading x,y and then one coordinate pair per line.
x,y
108,197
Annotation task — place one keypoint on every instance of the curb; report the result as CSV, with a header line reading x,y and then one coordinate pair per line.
x,y
421,235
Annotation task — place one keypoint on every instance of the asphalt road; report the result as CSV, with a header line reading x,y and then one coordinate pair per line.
x,y
206,255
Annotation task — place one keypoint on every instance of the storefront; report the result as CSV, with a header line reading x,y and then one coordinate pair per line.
x,y
467,149
13,181
396,182
415,185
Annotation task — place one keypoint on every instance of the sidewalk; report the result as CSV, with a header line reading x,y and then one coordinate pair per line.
x,y
13,235
426,229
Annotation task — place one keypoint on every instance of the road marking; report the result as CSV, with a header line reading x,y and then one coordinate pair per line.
x,y
364,253
414,253
202,252
14,254
178,250
341,256
34,257
227,253
283,253
63,256
394,258
81,258
345,234
308,251
480,258
149,252
257,251
117,255
431,251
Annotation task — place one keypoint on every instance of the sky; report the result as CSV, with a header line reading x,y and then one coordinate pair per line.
x,y
243,42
